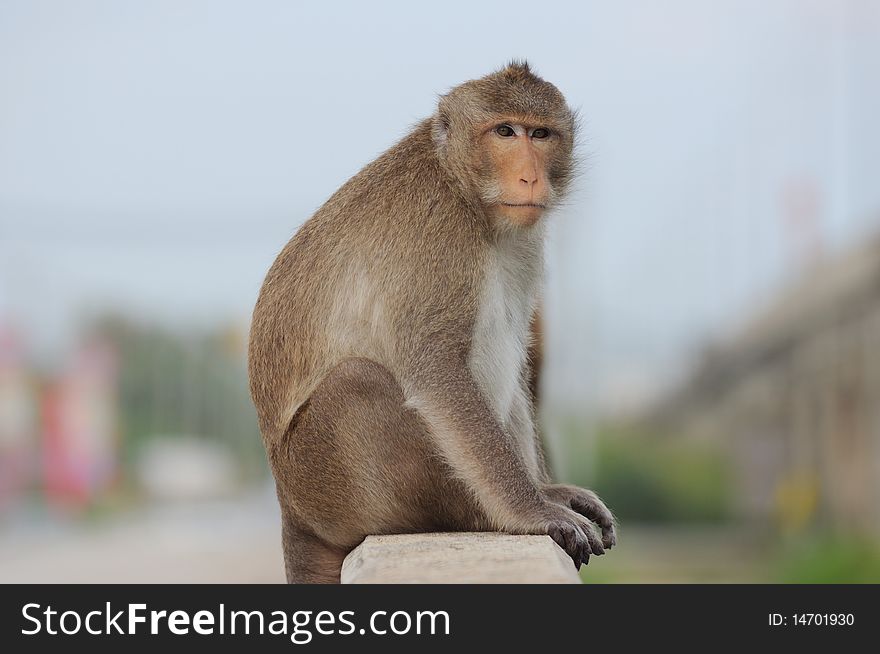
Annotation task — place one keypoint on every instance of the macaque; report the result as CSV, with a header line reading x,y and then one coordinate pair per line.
x,y
388,354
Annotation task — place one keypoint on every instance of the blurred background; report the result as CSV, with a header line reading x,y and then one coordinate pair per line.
x,y
712,355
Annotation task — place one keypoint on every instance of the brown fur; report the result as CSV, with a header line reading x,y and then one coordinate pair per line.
x,y
361,349
536,357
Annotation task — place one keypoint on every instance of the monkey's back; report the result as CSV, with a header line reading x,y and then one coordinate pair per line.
x,y
353,280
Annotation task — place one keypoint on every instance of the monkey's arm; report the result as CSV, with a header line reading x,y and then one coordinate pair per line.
x,y
587,503
484,456
523,429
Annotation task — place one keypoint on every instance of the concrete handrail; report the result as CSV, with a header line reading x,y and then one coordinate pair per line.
x,y
458,558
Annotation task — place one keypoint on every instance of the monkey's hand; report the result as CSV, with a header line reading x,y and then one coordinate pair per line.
x,y
571,531
587,504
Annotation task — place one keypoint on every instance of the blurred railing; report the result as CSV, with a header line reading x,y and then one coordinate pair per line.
x,y
459,558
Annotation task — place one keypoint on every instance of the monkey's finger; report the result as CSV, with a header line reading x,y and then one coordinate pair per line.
x,y
584,548
573,544
592,538
596,544
585,551
557,533
567,537
609,536
590,506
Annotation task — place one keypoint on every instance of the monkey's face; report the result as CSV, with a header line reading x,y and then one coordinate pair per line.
x,y
507,139
516,184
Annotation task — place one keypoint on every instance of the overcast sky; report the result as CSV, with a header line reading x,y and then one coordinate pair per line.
x,y
155,156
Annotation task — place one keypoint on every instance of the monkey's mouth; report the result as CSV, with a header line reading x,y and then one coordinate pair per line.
x,y
524,204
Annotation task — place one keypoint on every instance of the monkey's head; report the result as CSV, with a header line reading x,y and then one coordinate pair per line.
x,y
507,140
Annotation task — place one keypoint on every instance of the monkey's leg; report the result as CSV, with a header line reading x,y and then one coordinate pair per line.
x,y
308,559
356,461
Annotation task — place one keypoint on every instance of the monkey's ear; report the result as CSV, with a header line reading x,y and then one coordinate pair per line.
x,y
440,130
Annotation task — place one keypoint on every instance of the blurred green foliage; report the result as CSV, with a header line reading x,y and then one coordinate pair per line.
x,y
674,500
835,559
647,477
190,383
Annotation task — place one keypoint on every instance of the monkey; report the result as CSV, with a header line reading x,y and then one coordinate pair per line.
x,y
387,356
535,356
534,372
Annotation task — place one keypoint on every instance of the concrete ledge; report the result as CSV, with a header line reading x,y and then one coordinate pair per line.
x,y
458,558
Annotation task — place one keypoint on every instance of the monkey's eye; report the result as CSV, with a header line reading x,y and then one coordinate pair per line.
x,y
540,133
505,131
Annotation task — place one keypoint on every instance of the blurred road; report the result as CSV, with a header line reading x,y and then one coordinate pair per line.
x,y
229,541
667,554
238,541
